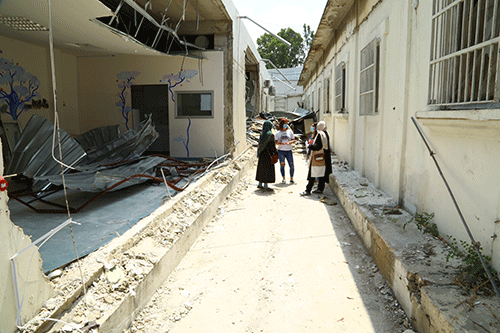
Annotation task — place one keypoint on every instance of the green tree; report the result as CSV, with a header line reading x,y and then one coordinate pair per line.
x,y
279,53
308,37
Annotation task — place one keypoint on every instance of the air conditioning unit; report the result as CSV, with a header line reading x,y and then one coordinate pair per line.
x,y
272,90
267,83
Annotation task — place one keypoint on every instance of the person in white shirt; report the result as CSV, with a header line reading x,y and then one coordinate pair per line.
x,y
284,139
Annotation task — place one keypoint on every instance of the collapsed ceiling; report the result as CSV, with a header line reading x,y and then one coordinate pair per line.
x,y
116,26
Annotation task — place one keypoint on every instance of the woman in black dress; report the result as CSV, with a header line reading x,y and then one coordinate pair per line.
x,y
267,147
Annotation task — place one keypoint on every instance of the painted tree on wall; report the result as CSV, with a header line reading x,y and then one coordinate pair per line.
x,y
124,82
17,87
185,142
174,80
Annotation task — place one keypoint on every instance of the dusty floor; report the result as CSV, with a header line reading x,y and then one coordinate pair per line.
x,y
275,262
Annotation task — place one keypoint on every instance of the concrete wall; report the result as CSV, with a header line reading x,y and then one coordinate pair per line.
x,y
386,147
32,285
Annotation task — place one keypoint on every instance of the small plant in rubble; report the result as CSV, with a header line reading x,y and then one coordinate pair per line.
x,y
424,224
472,273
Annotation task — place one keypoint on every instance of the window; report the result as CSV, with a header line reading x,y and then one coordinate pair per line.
x,y
369,79
319,99
464,52
194,104
326,97
340,88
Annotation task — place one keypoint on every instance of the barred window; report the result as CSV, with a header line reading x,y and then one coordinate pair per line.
x,y
369,78
464,52
340,88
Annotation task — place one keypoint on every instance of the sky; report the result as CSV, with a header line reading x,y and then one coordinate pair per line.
x,y
275,15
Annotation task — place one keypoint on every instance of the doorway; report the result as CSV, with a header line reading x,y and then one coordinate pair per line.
x,y
153,99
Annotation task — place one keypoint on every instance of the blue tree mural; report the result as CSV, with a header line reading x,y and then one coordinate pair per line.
x,y
185,142
17,87
173,80
124,82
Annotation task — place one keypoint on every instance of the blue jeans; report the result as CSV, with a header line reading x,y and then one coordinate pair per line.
x,y
282,155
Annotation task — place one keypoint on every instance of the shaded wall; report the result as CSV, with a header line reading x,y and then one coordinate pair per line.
x,y
386,148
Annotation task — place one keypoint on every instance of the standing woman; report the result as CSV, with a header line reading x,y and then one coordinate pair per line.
x,y
284,139
267,147
320,163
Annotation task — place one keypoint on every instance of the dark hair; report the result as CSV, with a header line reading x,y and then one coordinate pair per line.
x,y
282,122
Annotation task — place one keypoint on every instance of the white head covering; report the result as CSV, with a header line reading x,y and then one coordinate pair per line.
x,y
321,126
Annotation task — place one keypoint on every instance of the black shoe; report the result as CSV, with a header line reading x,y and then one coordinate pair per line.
x,y
317,192
305,193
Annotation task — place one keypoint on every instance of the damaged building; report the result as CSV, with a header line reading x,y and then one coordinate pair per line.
x,y
120,79
381,71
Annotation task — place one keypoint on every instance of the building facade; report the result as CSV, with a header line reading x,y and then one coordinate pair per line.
x,y
375,65
108,62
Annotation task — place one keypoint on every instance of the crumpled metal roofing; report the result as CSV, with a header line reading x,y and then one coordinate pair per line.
x,y
33,153
33,157
126,147
102,178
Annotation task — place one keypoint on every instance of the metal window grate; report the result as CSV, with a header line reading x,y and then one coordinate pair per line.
x,y
368,92
464,52
21,23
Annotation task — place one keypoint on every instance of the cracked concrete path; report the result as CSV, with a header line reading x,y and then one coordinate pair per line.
x,y
275,262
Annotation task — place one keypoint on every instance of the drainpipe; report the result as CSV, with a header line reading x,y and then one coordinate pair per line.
x,y
406,119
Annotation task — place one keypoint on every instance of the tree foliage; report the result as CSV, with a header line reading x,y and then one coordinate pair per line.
x,y
308,37
279,53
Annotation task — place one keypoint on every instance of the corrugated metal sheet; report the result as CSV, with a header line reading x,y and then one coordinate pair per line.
x,y
100,179
32,155
120,148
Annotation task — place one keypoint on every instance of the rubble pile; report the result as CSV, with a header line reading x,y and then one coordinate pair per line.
x,y
254,127
112,275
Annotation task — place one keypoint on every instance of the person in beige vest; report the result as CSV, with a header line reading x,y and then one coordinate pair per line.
x,y
320,161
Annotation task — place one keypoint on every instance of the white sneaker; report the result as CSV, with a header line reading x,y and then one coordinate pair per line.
x,y
283,181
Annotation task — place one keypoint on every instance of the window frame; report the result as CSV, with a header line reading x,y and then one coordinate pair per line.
x,y
370,88
191,92
465,61
340,88
326,95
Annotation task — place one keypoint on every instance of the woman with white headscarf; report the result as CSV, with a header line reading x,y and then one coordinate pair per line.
x,y
320,161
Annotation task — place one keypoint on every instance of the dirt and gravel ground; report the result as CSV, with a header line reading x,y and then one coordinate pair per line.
x,y
275,262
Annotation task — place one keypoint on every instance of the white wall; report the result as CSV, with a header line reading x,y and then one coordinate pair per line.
x,y
98,89
32,284
243,42
387,149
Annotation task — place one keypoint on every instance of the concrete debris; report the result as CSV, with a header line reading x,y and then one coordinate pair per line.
x,y
55,274
328,201
114,275
391,211
254,128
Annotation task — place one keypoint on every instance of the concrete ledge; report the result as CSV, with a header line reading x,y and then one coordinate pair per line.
x,y
414,264
68,303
